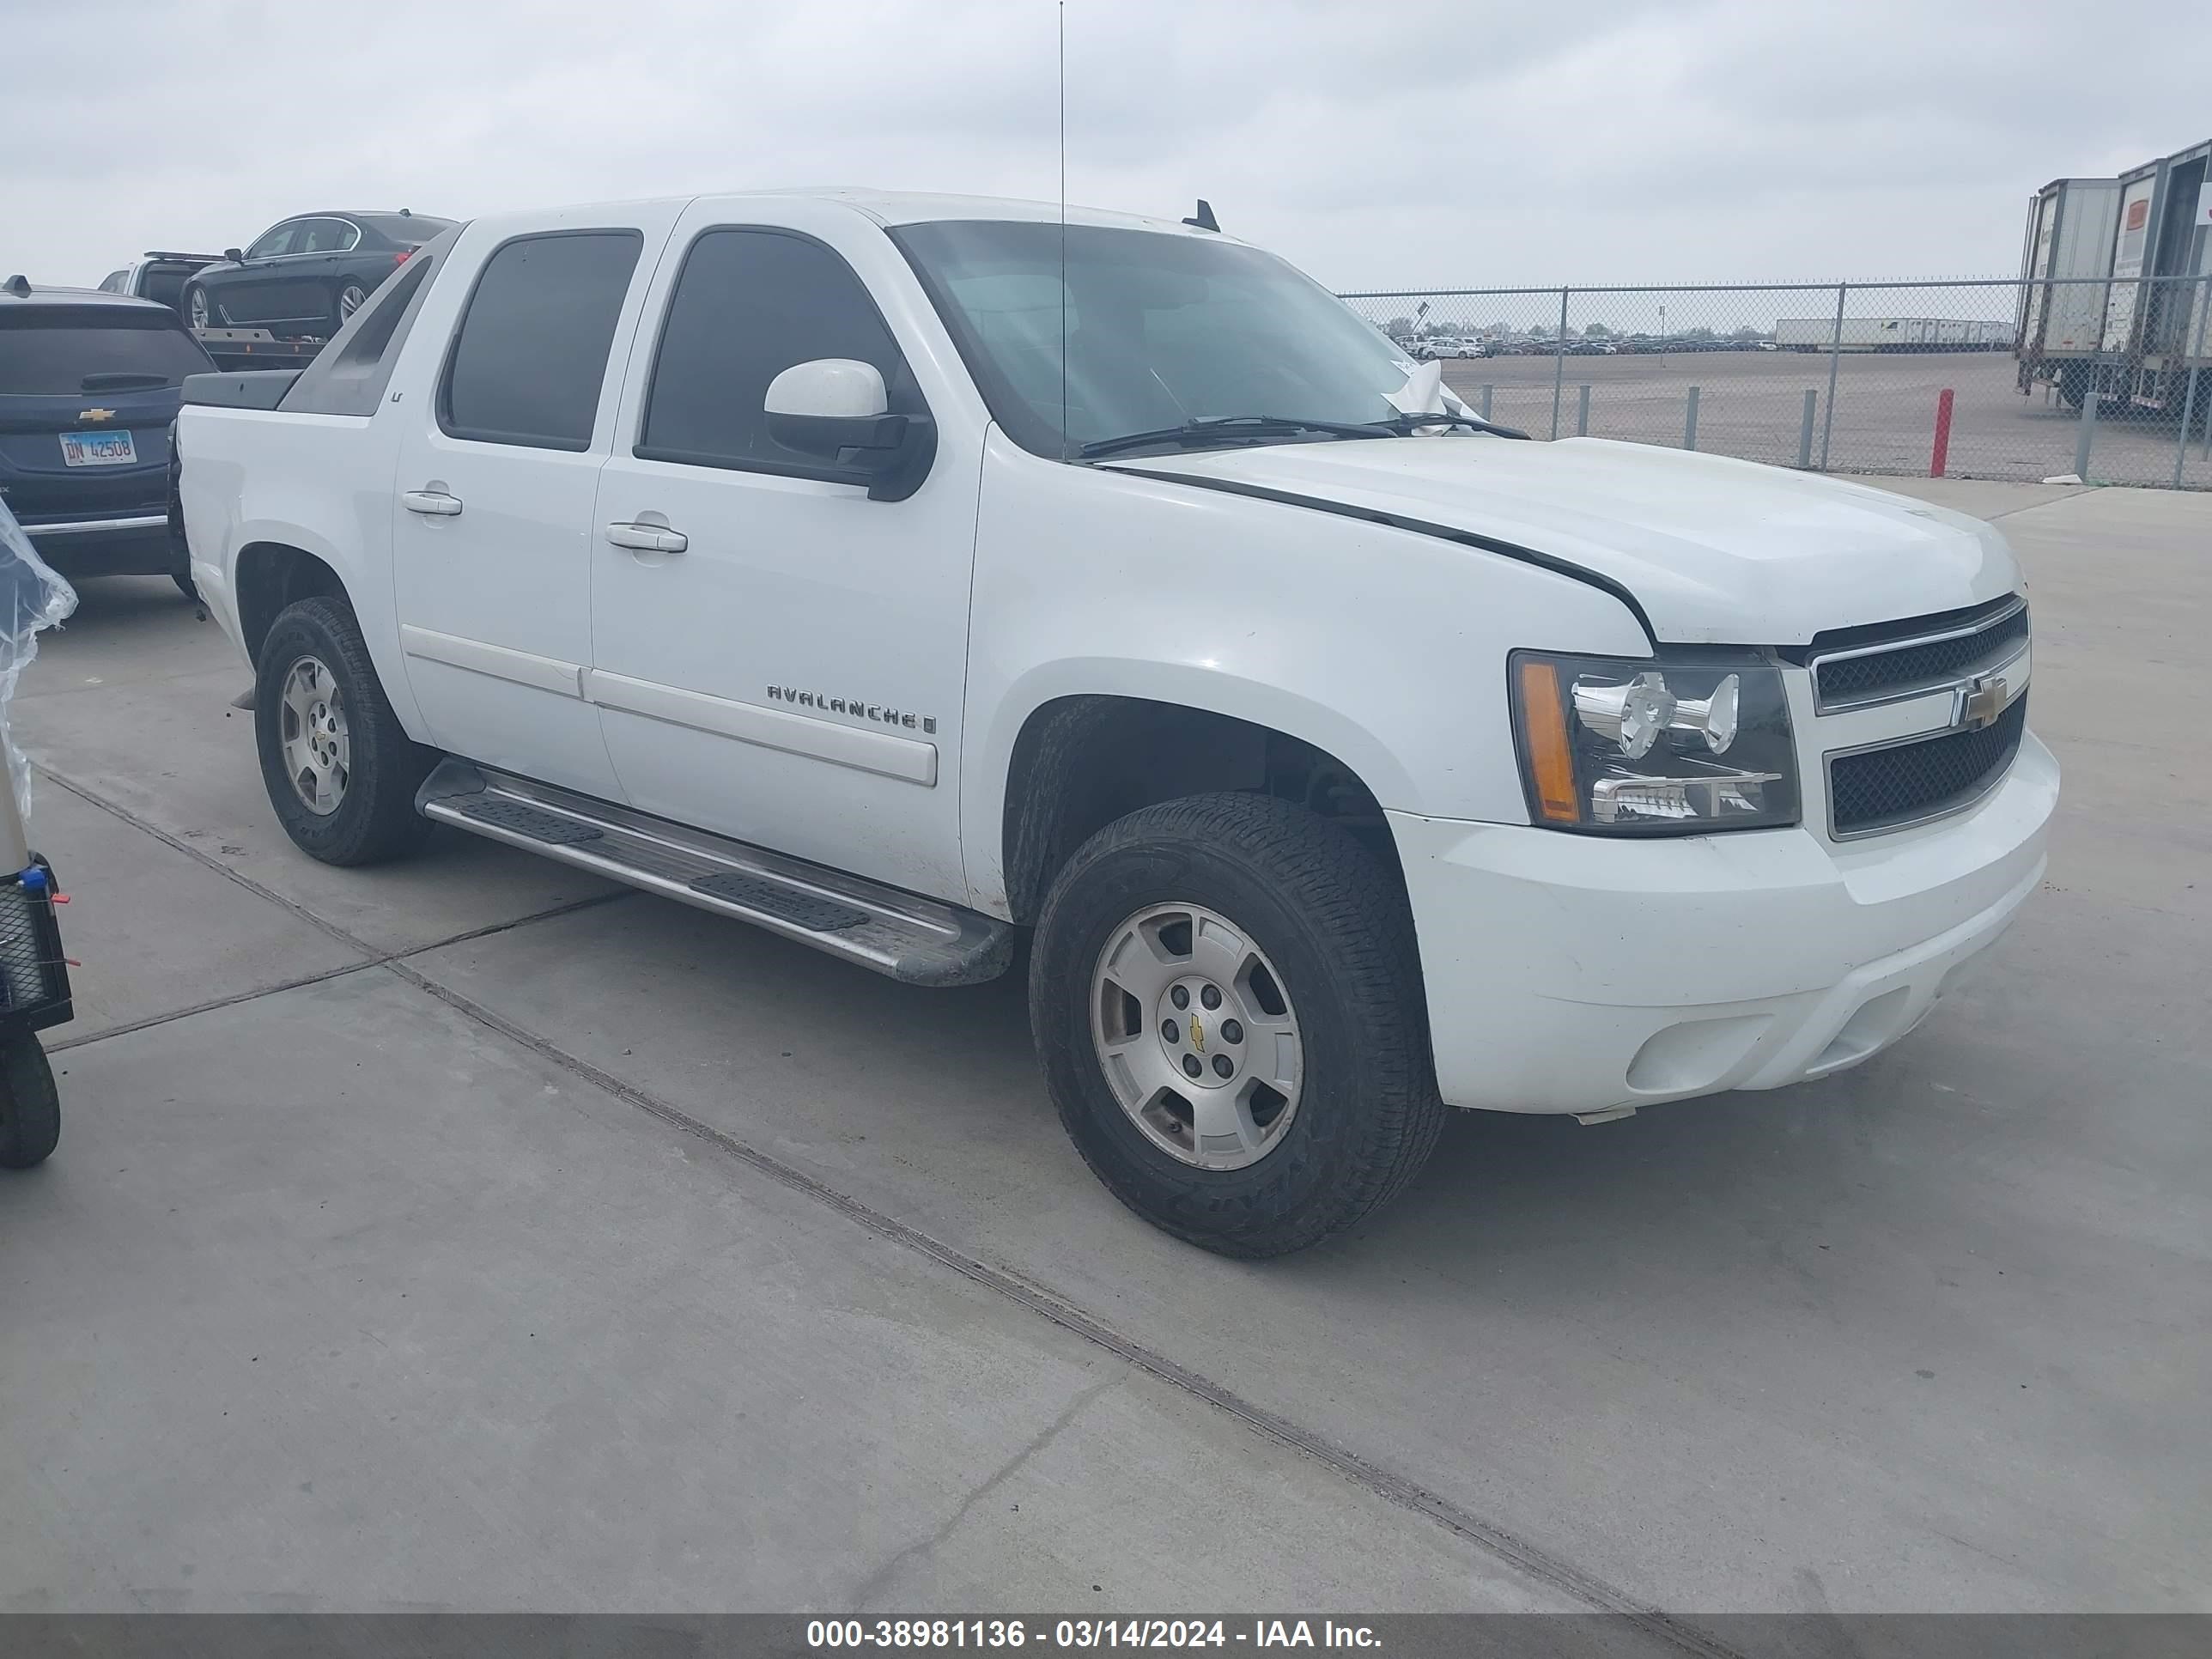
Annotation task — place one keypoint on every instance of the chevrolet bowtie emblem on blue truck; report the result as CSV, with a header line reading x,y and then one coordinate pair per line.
x,y
95,414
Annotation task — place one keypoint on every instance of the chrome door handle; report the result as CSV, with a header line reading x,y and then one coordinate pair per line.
x,y
648,538
433,503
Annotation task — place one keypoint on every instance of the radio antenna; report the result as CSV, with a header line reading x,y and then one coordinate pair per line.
x,y
1063,230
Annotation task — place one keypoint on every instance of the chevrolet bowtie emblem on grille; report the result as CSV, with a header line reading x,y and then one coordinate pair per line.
x,y
1197,1035
95,414
1982,699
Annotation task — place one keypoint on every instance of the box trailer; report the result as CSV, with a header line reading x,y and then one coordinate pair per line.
x,y
2152,302
2070,227
2156,353
2132,247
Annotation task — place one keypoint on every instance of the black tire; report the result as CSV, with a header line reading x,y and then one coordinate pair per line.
x,y
375,818
30,1105
1335,925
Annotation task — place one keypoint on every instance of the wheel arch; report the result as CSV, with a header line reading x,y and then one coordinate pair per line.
x,y
272,574
1080,760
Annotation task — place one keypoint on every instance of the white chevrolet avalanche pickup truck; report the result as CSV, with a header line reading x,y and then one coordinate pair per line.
x,y
900,574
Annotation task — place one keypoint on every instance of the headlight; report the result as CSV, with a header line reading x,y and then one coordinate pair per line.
x,y
1691,742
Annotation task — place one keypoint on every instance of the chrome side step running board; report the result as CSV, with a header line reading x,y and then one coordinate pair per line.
x,y
909,938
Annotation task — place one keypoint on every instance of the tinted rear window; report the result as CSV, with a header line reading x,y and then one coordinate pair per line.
x,y
57,351
532,350
412,229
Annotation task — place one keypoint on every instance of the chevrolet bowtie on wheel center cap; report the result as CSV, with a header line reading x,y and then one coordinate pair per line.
x,y
1196,1038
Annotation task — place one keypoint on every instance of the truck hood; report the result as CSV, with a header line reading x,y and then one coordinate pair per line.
x,y
1716,550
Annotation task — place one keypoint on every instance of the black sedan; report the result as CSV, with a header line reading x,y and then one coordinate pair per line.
x,y
304,278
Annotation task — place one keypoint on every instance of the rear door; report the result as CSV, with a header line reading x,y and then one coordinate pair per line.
x,y
498,469
255,295
317,269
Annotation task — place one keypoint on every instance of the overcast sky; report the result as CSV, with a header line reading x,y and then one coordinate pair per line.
x,y
1381,144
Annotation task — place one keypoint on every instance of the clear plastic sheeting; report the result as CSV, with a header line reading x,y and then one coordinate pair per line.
x,y
33,596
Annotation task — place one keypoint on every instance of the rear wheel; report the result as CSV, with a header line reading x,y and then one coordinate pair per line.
x,y
339,768
30,1105
1227,1001
351,295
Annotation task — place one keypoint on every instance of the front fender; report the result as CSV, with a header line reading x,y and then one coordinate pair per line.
x,y
1383,648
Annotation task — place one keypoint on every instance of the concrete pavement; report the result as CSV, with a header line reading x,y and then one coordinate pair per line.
x,y
549,1246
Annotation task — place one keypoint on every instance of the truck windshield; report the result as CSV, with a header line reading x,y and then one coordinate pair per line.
x,y
1161,330
60,351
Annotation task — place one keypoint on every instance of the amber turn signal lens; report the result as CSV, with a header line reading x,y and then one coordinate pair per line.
x,y
1543,717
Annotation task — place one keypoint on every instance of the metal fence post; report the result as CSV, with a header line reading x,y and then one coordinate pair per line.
x,y
1805,431
1581,412
1835,360
2189,398
1560,363
2088,435
1486,393
1690,422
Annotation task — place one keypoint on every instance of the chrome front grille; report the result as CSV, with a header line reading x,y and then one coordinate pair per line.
x,y
1866,667
1917,719
1911,780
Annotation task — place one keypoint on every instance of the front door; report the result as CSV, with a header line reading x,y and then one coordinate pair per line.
x,y
492,549
792,676
255,295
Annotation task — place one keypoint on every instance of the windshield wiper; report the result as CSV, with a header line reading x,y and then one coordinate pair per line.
x,y
1403,424
1210,427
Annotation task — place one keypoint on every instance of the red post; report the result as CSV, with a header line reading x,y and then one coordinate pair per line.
x,y
1936,462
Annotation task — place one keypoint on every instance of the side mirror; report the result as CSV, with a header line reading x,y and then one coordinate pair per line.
x,y
838,410
235,255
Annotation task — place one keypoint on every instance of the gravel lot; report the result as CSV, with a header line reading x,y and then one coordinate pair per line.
x,y
468,1235
1752,403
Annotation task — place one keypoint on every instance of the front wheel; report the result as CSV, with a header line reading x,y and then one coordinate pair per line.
x,y
1226,997
339,768
30,1105
197,311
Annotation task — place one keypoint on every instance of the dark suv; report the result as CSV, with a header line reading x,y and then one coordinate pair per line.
x,y
88,387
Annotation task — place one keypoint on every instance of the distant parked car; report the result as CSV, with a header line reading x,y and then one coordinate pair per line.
x,y
89,386
304,278
159,276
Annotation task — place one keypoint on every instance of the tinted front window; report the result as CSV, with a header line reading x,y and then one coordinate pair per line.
x,y
748,305
532,351
274,242
1160,329
60,352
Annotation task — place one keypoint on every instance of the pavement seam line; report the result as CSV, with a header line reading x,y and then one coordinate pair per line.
x,y
1529,1558
879,1579
372,957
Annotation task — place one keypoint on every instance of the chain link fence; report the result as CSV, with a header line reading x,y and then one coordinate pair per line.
x,y
2109,381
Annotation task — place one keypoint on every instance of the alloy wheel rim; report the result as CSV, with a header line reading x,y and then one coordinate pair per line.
x,y
313,733
1196,1036
349,299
